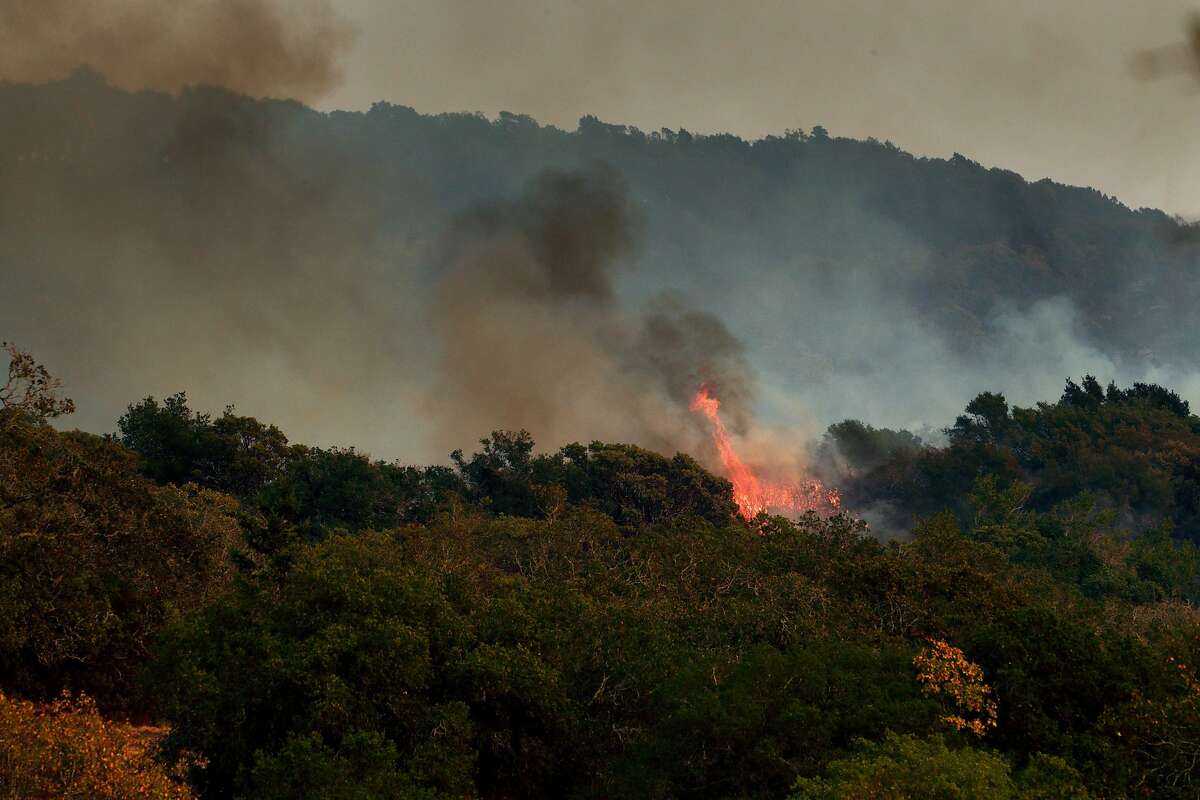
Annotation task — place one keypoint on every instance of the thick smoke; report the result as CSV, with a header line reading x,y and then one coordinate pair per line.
x,y
532,334
407,284
211,244
278,48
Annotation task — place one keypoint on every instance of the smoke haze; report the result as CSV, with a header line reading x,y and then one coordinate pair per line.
x,y
255,47
408,283
1042,88
533,336
207,244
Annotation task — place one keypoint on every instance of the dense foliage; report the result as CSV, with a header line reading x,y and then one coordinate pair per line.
x,y
597,621
1135,452
316,490
907,767
94,557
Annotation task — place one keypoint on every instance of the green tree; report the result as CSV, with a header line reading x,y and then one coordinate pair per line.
x,y
94,559
233,454
342,663
910,768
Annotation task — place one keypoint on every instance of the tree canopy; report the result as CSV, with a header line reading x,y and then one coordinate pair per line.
x,y
597,620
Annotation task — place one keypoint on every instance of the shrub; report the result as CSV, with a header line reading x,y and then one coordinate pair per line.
x,y
910,768
94,559
66,749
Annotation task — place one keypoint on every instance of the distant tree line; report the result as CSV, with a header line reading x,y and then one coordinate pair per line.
x,y
1133,453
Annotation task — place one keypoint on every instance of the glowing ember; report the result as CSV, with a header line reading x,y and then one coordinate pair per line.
x,y
753,494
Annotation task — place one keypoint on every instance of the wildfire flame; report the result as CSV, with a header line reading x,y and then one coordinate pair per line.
x,y
752,494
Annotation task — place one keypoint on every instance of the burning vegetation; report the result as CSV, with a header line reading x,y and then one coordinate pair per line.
x,y
755,495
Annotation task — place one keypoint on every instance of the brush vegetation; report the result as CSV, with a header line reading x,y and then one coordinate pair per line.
x,y
597,621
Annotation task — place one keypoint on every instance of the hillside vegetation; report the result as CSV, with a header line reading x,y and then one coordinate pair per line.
x,y
196,606
596,621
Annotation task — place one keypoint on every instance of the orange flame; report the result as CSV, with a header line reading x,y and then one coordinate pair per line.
x,y
752,494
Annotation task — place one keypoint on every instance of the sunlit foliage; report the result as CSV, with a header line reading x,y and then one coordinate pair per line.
x,y
65,749
945,671
908,768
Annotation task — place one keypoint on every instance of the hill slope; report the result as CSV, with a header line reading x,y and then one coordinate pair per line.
x,y
853,271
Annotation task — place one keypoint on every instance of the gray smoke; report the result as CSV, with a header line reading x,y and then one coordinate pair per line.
x,y
407,284
532,335
208,243
272,48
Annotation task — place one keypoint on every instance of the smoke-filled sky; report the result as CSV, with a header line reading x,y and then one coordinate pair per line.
x,y
1043,88
359,284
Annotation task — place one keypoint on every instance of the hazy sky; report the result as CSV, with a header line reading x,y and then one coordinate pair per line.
x,y
1041,87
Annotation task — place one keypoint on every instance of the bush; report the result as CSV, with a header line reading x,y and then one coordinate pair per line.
x,y
362,768
94,559
66,749
909,768
319,676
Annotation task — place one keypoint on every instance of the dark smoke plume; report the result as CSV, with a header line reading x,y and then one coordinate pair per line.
x,y
533,335
207,243
277,48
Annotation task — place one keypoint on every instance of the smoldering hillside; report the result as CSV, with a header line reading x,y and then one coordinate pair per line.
x,y
407,283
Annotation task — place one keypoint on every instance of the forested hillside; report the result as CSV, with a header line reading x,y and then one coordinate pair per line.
x,y
1132,452
593,621
269,603
863,280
